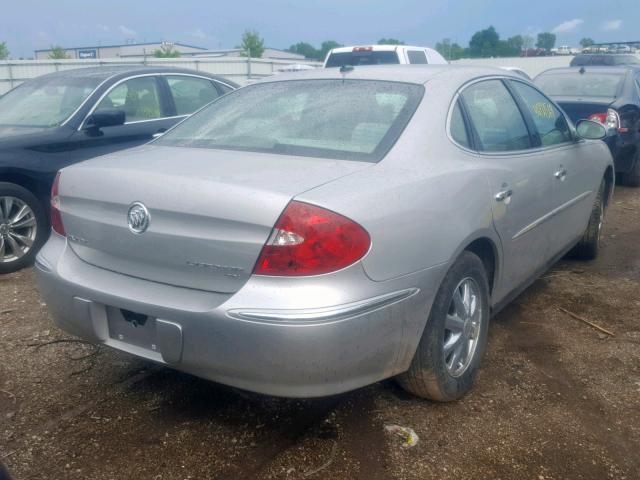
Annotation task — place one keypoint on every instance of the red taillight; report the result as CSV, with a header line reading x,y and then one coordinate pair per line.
x,y
56,218
309,240
362,49
599,117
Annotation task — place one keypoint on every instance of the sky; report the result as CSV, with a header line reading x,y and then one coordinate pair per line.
x,y
26,25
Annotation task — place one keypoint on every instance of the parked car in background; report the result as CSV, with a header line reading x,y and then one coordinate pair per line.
x,y
320,231
58,119
564,50
607,59
609,95
382,54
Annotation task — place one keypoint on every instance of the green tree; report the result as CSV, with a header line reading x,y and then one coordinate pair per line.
x,y
484,43
586,42
252,44
325,47
546,40
390,41
4,51
450,51
303,48
166,50
516,43
58,53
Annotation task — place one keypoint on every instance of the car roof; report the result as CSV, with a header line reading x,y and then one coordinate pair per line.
x,y
377,48
107,71
597,68
418,74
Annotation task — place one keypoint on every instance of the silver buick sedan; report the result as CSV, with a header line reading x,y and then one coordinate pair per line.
x,y
320,231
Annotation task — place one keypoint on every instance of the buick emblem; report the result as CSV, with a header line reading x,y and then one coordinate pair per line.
x,y
138,218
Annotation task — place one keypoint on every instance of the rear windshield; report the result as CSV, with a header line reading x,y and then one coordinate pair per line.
x,y
575,84
337,119
362,58
606,60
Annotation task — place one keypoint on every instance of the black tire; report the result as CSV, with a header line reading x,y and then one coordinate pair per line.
x,y
632,178
428,375
42,226
589,245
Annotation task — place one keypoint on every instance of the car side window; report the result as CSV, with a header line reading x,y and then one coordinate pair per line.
x,y
549,121
417,57
191,93
139,98
496,117
457,127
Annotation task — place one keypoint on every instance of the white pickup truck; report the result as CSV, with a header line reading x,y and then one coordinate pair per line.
x,y
382,54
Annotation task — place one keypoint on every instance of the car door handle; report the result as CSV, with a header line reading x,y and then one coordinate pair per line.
x,y
561,173
504,196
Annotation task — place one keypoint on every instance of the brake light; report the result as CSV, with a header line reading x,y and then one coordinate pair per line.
x,y
310,240
362,49
56,217
611,119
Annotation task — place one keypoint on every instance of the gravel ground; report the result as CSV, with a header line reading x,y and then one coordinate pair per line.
x,y
556,398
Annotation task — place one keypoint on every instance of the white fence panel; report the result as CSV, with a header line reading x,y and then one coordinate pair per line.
x,y
237,69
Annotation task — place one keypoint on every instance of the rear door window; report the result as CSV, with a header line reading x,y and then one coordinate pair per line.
x,y
417,56
139,98
191,93
458,128
496,117
551,125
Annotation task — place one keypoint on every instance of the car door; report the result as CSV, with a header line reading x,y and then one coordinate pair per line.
x,y
147,114
519,176
189,93
573,177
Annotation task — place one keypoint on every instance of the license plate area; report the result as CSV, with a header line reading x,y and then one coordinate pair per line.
x,y
132,328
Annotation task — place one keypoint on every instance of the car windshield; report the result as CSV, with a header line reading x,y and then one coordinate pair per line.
x,y
366,57
45,102
338,119
575,84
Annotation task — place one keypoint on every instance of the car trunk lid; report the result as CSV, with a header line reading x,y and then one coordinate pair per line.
x,y
580,108
211,211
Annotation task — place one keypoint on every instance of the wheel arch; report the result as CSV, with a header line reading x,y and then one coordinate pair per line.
x,y
487,250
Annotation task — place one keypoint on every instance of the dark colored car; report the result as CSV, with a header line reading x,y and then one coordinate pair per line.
x,y
62,118
610,95
604,59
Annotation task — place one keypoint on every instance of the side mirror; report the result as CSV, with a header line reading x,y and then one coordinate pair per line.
x,y
590,130
105,117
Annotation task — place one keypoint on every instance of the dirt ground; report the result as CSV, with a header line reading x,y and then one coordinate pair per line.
x,y
556,399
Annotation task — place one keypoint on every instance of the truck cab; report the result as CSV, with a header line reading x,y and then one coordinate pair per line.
x,y
382,54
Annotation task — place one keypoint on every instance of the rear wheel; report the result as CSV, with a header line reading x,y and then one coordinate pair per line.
x,y
589,245
448,356
23,227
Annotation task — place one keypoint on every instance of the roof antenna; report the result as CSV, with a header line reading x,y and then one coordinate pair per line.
x,y
582,70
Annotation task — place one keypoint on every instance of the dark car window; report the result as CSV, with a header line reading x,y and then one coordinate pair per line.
x,y
341,119
45,101
417,56
139,98
575,84
604,60
457,127
496,117
366,57
550,123
191,93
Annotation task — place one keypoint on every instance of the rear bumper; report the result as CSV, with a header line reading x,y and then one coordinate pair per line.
x,y
262,338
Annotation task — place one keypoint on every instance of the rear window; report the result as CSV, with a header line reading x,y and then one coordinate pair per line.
x,y
338,119
575,84
366,57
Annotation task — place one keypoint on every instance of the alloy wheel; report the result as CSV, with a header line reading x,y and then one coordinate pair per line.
x,y
462,327
18,229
